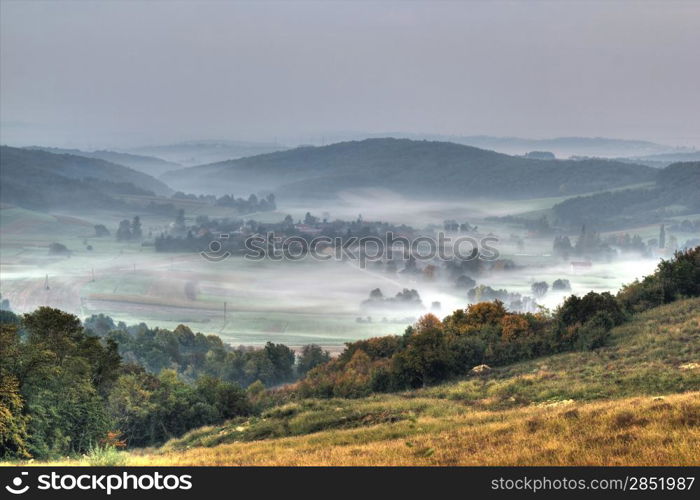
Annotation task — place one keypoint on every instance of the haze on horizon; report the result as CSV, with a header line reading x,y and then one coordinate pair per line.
x,y
107,74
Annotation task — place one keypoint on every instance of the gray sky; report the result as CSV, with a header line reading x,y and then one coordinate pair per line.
x,y
92,74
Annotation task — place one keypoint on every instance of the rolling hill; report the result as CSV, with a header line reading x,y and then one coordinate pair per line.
x,y
632,402
146,164
663,160
413,168
37,179
675,192
563,147
568,146
191,153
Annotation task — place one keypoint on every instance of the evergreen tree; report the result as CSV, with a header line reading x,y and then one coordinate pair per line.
x,y
136,231
180,220
124,231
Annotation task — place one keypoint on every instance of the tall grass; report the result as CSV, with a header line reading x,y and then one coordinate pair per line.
x,y
105,456
633,431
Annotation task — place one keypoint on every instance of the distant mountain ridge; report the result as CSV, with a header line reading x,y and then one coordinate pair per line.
x,y
147,164
191,153
568,146
563,147
414,168
664,159
37,179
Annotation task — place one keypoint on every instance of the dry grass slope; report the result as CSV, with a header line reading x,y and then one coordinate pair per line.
x,y
632,431
635,431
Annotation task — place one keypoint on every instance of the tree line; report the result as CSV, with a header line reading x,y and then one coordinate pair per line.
x,y
67,387
435,350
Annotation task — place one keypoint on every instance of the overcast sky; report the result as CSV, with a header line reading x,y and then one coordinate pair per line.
x,y
92,74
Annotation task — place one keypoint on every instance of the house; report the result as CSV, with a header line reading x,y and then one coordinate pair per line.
x,y
306,229
581,266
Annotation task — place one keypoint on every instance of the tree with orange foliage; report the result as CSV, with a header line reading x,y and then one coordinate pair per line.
x,y
475,317
514,327
354,380
427,322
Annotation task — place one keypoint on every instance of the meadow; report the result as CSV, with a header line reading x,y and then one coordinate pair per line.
x,y
292,303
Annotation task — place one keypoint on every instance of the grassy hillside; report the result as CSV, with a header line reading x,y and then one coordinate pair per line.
x,y
420,168
633,402
633,431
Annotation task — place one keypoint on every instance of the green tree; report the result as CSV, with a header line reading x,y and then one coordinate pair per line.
x,y
428,357
124,231
180,220
282,359
61,371
13,422
539,288
136,231
311,356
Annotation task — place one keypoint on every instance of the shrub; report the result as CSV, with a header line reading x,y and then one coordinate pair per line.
x,y
679,277
594,332
578,310
561,285
105,456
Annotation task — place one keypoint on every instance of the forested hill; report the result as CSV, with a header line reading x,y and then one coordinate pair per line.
x,y
675,192
200,152
147,164
37,179
416,168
